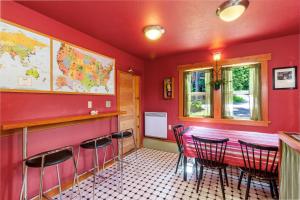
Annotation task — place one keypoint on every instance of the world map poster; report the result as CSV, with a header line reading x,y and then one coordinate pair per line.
x,y
81,71
24,59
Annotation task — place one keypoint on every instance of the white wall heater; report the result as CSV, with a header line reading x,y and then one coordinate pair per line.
x,y
156,124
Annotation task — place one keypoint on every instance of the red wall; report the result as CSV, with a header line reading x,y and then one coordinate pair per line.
x,y
22,106
283,104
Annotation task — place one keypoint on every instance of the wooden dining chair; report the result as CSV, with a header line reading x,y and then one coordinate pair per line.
x,y
178,131
260,162
210,154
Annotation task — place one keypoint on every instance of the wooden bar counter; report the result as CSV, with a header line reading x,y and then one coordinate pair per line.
x,y
9,127
289,166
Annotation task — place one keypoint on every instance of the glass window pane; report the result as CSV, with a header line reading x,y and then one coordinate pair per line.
x,y
198,94
241,98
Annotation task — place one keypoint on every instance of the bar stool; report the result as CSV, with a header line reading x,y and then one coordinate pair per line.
x,y
95,144
119,136
50,158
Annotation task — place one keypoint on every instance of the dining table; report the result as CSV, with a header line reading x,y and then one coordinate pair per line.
x,y
233,155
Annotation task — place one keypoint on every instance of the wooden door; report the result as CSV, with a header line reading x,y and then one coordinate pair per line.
x,y
129,101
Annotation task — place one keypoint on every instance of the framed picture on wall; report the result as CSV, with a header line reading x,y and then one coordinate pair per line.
x,y
285,78
169,88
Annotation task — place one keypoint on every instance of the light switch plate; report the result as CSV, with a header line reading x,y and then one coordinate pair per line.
x,y
170,127
107,104
90,104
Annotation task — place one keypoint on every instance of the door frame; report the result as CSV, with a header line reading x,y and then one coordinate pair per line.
x,y
137,90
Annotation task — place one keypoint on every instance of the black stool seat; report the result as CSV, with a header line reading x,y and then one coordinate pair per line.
x,y
50,159
90,144
118,135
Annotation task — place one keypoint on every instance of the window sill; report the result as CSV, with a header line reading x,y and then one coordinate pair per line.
x,y
226,121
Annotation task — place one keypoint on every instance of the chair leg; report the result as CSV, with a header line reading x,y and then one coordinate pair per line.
x,y
122,142
226,178
271,188
275,189
23,184
104,159
201,172
119,155
184,168
97,160
240,179
196,168
75,163
178,161
95,170
136,154
113,151
198,184
41,178
248,186
222,183
59,182
75,179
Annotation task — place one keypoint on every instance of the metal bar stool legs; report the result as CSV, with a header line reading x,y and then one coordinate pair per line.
x,y
22,195
120,136
95,144
45,159
121,165
41,178
136,155
95,170
59,182
76,178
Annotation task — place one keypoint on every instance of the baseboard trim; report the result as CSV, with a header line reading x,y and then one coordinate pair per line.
x,y
160,144
159,139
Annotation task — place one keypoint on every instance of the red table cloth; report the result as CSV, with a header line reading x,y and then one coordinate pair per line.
x,y
233,155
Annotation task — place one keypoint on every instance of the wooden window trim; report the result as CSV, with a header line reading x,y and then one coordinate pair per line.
x,y
262,58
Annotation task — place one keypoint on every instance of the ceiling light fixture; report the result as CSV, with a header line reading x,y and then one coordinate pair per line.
x,y
217,56
154,32
232,9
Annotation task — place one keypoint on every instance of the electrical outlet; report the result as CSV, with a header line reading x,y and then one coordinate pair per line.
x,y
107,104
90,104
170,127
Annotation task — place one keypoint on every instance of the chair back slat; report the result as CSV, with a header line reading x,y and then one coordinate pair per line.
x,y
216,154
244,159
260,154
273,163
253,158
178,131
210,152
259,160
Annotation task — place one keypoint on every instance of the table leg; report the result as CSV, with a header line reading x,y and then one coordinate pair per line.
x,y
24,174
184,168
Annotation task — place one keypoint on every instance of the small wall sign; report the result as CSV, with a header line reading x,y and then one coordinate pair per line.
x,y
285,78
169,88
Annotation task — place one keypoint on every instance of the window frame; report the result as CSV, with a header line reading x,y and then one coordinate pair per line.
x,y
217,115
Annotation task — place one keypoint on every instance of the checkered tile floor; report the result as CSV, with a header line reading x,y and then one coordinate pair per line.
x,y
155,179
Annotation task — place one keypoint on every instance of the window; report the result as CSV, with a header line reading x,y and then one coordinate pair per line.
x,y
241,92
242,98
198,93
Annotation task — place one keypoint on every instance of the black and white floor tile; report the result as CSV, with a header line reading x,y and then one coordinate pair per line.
x,y
152,177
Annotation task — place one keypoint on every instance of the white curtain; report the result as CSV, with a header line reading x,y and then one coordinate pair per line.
x,y
255,92
208,93
227,93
